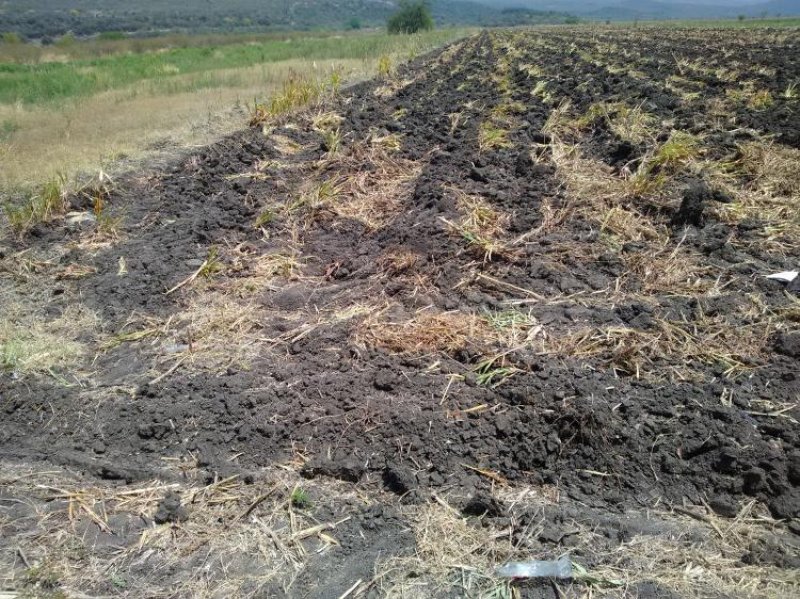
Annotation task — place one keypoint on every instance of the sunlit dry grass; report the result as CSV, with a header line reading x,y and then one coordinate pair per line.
x,y
426,331
764,180
193,110
671,350
33,344
172,112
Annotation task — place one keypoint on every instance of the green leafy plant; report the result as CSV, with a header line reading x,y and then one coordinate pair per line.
x,y
490,373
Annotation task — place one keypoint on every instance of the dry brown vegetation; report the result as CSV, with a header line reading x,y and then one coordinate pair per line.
x,y
118,128
427,331
482,227
677,350
228,519
371,182
764,179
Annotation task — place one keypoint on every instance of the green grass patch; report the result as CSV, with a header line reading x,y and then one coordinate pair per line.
x,y
54,81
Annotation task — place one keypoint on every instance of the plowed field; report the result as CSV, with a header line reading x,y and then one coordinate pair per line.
x,y
507,302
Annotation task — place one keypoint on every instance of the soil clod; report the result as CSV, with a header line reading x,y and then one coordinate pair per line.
x,y
171,510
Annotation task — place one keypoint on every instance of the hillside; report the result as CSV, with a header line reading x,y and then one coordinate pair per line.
x,y
654,9
45,18
660,9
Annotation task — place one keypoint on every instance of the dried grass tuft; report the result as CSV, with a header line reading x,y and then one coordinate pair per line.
x,y
425,332
215,331
30,344
240,540
764,180
452,552
600,197
672,350
397,261
481,226
669,269
367,183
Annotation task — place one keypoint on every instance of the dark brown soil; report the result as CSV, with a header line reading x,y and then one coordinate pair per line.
x,y
606,438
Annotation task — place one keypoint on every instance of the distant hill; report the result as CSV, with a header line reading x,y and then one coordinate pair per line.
x,y
50,18
654,9
660,9
782,7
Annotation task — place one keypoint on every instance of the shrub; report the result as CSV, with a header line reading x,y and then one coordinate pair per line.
x,y
111,36
413,16
68,39
354,23
11,37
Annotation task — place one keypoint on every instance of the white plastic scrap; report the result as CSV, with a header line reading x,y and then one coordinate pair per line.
x,y
787,276
560,568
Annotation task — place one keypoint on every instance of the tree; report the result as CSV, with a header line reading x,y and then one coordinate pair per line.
x,y
413,16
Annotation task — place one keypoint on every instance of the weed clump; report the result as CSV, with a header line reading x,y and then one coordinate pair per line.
x,y
384,67
50,201
492,137
297,91
300,498
663,163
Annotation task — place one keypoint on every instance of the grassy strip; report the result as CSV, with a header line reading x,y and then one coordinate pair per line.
x,y
40,140
45,82
70,48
